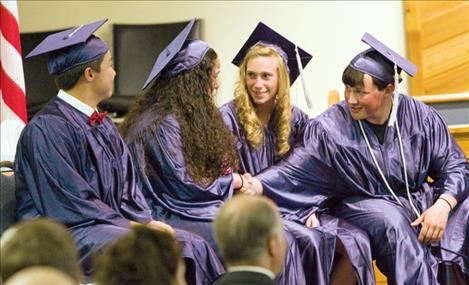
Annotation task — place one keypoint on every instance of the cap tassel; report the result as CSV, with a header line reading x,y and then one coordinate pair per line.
x,y
300,69
395,101
73,32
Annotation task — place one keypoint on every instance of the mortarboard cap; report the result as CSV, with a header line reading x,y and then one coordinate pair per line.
x,y
70,48
263,34
181,54
383,63
379,60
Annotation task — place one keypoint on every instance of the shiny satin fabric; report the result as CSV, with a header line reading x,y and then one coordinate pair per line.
x,y
84,177
175,198
394,243
255,161
166,181
317,245
75,173
335,162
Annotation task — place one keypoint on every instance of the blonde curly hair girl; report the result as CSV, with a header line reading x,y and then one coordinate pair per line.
x,y
246,110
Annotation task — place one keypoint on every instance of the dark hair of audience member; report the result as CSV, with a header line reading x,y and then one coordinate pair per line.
x,y
144,256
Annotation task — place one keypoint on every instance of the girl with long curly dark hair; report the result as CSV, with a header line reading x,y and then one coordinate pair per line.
x,y
186,156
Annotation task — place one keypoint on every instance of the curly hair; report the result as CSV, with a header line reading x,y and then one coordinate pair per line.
x,y
208,145
144,256
246,110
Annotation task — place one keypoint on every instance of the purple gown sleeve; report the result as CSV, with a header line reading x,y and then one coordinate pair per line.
x,y
302,182
447,164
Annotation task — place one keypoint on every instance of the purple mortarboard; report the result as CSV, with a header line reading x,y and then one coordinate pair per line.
x,y
70,48
181,54
378,61
385,64
262,34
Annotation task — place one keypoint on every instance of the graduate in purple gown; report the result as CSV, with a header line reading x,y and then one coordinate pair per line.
x,y
73,166
267,127
185,154
374,153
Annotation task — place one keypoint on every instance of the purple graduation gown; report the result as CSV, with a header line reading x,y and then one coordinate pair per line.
x,y
335,162
317,245
83,176
176,198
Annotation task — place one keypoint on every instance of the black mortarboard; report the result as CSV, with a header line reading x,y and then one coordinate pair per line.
x,y
263,34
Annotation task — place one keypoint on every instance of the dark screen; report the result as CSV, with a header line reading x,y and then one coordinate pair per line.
x,y
135,49
40,86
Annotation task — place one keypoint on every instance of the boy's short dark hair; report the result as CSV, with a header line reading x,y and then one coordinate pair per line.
x,y
66,80
354,78
143,256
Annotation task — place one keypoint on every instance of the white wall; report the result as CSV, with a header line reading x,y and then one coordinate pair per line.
x,y
330,30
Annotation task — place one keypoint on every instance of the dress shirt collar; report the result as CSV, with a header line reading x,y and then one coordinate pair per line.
x,y
75,103
257,269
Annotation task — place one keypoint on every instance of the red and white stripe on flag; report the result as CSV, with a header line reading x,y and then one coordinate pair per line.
x,y
12,90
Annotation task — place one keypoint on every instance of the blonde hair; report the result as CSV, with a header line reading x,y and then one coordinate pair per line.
x,y
246,111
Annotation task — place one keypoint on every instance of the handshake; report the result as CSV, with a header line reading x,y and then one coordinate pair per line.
x,y
246,184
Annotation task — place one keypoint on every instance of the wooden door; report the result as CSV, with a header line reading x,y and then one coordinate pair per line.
x,y
438,43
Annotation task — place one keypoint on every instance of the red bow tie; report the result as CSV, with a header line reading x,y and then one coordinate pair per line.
x,y
97,117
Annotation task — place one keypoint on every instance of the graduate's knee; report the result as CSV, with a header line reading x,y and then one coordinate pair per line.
x,y
193,245
390,233
397,223
186,237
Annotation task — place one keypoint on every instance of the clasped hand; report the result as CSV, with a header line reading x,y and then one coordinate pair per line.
x,y
247,184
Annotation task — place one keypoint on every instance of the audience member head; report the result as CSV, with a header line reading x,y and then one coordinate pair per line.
x,y
38,242
144,256
40,275
249,231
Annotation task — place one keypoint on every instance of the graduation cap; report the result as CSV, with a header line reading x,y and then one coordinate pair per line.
x,y
295,58
181,54
378,61
70,48
385,64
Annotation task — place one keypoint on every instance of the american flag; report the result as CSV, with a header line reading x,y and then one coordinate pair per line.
x,y
12,90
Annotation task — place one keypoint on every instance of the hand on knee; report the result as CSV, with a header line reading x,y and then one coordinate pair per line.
x,y
433,222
